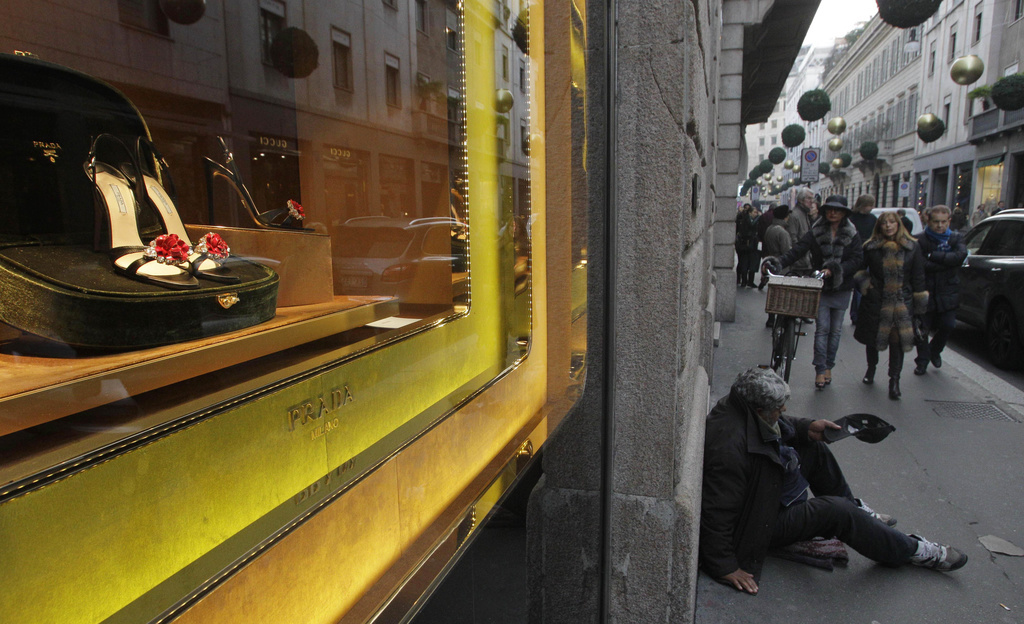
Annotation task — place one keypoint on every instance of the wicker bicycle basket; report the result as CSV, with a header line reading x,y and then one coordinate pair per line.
x,y
793,296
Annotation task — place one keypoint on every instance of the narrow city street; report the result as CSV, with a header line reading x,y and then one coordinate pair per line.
x,y
950,472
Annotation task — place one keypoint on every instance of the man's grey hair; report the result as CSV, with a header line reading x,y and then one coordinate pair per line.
x,y
939,209
762,388
804,192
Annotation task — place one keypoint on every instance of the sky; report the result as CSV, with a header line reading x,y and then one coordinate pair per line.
x,y
835,18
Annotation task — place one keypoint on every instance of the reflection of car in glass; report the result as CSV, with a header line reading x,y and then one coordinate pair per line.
x,y
415,260
910,213
992,285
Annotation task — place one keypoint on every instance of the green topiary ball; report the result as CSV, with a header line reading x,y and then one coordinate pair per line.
x,y
869,150
934,134
777,155
766,166
1008,92
755,173
846,158
906,13
294,53
793,135
823,168
813,105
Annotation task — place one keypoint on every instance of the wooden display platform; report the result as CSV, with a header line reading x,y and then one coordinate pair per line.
x,y
54,381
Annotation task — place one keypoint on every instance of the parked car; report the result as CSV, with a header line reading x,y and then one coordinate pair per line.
x,y
414,260
992,285
910,213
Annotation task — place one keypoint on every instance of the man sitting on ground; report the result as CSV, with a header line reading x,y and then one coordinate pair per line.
x,y
758,467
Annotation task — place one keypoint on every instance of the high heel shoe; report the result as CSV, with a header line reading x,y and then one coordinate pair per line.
x,y
117,194
207,257
869,375
828,377
290,217
894,388
819,381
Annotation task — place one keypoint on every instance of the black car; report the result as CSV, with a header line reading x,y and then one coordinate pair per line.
x,y
992,285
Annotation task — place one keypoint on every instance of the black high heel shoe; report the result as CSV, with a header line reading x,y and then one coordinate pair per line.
x,y
207,257
869,375
117,194
894,388
290,217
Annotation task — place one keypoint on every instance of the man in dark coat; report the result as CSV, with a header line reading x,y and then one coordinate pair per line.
x,y
943,250
864,221
758,468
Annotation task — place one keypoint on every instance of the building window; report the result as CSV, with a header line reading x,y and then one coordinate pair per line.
x,y
421,15
762,128
775,123
144,14
977,23
451,30
392,81
271,23
524,138
1018,9
952,42
504,62
454,101
522,76
760,142
341,43
775,140
931,58
946,106
912,110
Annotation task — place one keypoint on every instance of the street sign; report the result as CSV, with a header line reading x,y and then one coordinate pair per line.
x,y
904,189
755,192
809,164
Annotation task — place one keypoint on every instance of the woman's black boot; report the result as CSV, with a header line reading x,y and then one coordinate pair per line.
x,y
894,388
869,375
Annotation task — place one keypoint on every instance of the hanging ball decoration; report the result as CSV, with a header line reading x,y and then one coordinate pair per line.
x,y
796,168
846,159
294,53
837,163
755,173
777,155
789,163
835,144
793,135
767,177
1008,92
778,178
824,168
906,13
927,122
767,166
183,11
967,69
869,150
813,105
930,130
503,100
837,125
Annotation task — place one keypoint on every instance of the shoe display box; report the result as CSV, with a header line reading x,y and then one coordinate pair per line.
x,y
53,282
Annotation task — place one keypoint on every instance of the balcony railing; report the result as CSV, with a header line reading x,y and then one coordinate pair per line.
x,y
994,121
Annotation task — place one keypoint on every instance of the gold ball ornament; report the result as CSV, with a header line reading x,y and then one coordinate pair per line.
x,y
967,69
503,100
796,168
927,122
837,163
837,125
778,178
835,144
788,164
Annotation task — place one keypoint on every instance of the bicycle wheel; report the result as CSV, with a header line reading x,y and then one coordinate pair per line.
x,y
789,339
778,344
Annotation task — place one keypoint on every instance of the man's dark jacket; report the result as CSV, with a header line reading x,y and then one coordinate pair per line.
x,y
940,271
742,489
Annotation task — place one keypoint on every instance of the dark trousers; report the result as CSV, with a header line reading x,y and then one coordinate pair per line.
x,y
895,359
747,266
942,323
833,513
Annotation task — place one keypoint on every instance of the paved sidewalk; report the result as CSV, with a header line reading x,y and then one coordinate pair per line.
x,y
951,479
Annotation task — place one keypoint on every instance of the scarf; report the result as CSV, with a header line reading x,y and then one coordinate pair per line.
x,y
832,249
941,240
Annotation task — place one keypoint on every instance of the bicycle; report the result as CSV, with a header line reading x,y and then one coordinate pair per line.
x,y
791,298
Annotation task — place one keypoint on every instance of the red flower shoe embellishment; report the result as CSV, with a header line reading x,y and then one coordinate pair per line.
x,y
295,210
213,246
167,249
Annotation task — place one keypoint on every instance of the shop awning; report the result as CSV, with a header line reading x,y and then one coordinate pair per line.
x,y
988,162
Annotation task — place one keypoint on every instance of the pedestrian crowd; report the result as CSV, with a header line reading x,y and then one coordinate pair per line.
x,y
770,481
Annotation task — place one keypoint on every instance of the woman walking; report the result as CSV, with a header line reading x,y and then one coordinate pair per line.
x,y
835,248
892,286
746,246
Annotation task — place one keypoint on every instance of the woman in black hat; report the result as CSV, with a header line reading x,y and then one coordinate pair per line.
x,y
893,290
835,248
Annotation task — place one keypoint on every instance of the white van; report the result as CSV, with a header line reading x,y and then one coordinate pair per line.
x,y
910,214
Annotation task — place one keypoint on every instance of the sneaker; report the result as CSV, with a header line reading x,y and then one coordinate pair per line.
x,y
937,361
937,556
885,519
920,369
